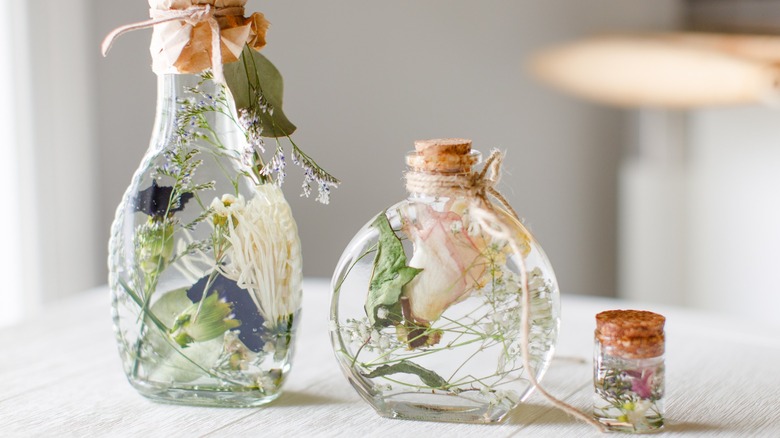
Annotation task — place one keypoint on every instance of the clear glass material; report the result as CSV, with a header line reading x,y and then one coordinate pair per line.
x,y
628,392
205,260
426,309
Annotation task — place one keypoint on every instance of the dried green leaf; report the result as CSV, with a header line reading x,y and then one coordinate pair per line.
x,y
389,276
428,377
258,87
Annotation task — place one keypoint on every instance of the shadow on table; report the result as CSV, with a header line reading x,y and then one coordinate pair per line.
x,y
545,414
540,414
691,427
294,398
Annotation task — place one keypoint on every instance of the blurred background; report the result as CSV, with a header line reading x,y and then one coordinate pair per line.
x,y
672,206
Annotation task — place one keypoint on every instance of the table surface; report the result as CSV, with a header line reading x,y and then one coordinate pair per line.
x,y
61,376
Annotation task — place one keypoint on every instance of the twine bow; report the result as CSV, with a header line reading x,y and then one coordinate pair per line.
x,y
192,16
482,185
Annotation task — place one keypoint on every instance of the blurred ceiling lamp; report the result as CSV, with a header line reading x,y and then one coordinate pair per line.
x,y
672,70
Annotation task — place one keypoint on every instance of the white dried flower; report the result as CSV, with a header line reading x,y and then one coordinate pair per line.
x,y
264,256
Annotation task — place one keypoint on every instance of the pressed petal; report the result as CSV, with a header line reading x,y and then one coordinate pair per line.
x,y
156,200
243,307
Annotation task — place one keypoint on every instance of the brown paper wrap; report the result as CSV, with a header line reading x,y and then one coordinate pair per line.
x,y
186,46
191,36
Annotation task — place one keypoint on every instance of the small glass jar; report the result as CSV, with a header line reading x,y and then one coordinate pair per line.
x,y
426,316
628,371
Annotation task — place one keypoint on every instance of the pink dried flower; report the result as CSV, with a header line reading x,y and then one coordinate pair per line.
x,y
642,382
450,258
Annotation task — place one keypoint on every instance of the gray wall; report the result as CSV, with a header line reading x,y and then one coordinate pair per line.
x,y
364,79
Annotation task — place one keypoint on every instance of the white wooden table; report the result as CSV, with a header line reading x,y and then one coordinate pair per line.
x,y
60,376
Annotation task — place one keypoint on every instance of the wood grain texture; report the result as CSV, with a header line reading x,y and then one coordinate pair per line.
x,y
61,376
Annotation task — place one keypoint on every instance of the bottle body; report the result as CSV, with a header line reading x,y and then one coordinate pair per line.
x,y
629,371
204,260
629,392
426,315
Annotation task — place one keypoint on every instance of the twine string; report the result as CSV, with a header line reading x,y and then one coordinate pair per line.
x,y
481,185
192,16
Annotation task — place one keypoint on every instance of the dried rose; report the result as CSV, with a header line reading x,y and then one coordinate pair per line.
x,y
450,255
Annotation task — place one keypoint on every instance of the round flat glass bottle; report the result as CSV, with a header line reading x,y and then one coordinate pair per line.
x,y
426,309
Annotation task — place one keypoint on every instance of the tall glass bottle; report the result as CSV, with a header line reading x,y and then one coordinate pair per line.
x,y
205,259
426,313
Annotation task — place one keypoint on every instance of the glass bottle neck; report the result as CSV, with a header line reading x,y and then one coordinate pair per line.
x,y
439,176
177,96
426,198
435,187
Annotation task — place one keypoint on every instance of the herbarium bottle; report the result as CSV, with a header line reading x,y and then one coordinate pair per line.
x,y
205,258
428,309
628,370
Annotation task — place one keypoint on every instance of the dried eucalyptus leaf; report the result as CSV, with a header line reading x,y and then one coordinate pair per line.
x,y
389,276
252,80
427,376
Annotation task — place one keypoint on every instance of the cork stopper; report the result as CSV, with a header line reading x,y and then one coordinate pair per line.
x,y
443,155
632,334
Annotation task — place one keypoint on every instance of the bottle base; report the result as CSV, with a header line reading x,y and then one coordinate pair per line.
x,y
210,397
649,426
449,408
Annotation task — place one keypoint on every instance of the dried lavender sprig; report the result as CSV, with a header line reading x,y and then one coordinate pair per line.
x,y
307,163
250,121
276,166
313,173
191,119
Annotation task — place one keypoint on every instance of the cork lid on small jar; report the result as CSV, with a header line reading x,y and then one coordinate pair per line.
x,y
633,334
443,155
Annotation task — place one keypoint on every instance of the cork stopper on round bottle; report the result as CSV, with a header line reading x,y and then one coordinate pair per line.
x,y
443,155
633,334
